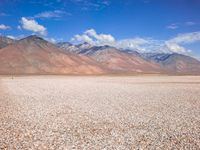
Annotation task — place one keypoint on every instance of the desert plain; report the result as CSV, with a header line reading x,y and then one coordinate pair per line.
x,y
99,112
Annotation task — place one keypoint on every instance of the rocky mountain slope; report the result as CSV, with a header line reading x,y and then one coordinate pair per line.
x,y
34,55
132,61
119,61
116,60
5,41
175,63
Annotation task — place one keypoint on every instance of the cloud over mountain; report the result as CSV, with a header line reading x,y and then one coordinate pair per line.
x,y
32,25
173,45
92,37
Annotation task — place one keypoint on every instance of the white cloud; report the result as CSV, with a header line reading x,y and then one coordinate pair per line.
x,y
176,48
3,14
82,38
134,43
92,5
52,40
52,14
11,37
175,44
4,27
19,27
106,2
190,23
100,39
91,36
173,26
32,25
186,38
16,37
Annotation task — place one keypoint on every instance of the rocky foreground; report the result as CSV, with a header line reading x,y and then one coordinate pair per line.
x,y
57,112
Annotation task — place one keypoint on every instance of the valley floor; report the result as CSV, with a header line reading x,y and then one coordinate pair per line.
x,y
140,112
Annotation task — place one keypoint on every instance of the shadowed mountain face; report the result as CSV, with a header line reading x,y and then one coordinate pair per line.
x,y
33,55
4,41
175,63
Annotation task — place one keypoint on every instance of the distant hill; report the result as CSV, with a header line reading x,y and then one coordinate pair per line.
x,y
175,63
133,61
34,55
120,61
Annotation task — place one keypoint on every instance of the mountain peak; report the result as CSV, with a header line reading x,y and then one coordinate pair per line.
x,y
84,45
34,39
5,41
63,44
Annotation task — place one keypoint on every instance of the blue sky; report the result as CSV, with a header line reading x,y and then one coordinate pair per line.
x,y
144,25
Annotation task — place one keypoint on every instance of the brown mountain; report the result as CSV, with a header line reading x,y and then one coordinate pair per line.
x,y
175,63
33,55
5,41
121,62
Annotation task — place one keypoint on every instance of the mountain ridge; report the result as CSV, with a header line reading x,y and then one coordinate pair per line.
x,y
39,56
5,41
34,55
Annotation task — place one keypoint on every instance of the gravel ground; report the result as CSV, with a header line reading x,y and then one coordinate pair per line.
x,y
64,113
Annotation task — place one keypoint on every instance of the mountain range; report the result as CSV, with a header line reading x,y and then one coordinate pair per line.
x,y
34,55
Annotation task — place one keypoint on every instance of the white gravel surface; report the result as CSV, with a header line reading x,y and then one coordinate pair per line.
x,y
64,113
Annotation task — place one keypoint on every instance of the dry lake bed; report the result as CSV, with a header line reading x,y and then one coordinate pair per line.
x,y
106,112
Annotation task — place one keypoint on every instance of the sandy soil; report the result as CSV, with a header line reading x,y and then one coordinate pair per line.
x,y
57,112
